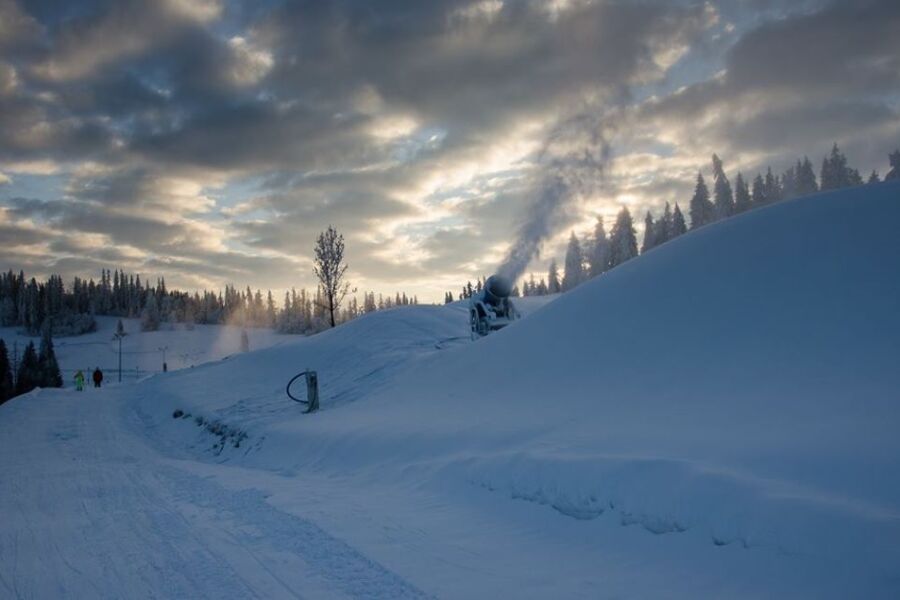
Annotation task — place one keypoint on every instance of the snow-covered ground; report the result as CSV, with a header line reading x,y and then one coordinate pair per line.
x,y
717,418
142,352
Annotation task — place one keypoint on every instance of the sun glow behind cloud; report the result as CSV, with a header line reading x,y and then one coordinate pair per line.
x,y
209,142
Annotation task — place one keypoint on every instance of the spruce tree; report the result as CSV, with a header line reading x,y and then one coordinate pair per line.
x,y
724,200
702,209
50,375
553,286
758,196
835,172
150,317
650,233
789,182
806,179
599,256
29,375
773,187
679,227
663,229
622,239
574,274
6,376
742,201
873,178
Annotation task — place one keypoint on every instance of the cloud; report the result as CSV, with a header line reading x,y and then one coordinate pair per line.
x,y
124,30
213,140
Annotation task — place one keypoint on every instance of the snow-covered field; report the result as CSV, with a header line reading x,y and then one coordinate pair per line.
x,y
142,352
717,418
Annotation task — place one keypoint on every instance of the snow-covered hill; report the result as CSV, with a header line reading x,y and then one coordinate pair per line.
x,y
717,418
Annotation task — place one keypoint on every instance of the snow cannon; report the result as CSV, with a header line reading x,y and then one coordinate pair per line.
x,y
491,309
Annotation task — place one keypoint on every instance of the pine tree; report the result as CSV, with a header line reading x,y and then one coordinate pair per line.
x,y
599,255
773,187
835,172
664,227
789,182
50,375
873,178
553,286
574,274
702,209
6,376
649,233
758,195
622,239
724,200
150,317
742,201
29,375
679,227
806,179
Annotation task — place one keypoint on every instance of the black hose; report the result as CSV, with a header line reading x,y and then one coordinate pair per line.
x,y
290,383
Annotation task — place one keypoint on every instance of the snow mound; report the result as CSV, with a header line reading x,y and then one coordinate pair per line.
x,y
737,386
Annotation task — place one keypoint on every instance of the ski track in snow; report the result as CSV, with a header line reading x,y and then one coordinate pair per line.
x,y
104,515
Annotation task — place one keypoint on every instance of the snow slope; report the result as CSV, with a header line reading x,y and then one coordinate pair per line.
x,y
716,418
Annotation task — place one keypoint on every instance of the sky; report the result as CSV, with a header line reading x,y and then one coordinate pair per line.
x,y
210,141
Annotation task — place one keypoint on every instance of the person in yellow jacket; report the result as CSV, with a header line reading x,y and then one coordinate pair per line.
x,y
79,381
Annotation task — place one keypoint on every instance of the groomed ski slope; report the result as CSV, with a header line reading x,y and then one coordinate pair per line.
x,y
716,418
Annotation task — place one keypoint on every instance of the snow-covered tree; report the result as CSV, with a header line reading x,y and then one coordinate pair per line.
x,y
574,274
836,174
150,317
650,233
773,187
664,229
806,179
742,201
758,195
553,285
789,182
245,341
599,254
702,209
622,239
723,198
679,227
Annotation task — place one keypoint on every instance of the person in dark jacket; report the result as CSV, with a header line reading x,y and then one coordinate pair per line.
x,y
98,377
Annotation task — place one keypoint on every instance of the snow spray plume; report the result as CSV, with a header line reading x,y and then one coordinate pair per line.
x,y
571,165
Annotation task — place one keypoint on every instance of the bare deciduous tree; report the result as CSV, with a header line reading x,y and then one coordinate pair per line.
x,y
330,268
